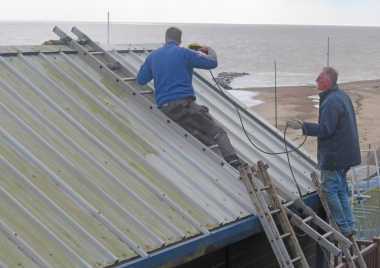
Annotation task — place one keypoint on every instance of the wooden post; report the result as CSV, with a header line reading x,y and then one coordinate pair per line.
x,y
275,93
377,241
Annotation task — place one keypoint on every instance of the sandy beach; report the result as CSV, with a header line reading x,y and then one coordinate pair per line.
x,y
294,102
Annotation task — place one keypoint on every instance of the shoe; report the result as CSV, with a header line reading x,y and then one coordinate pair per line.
x,y
353,231
236,166
346,233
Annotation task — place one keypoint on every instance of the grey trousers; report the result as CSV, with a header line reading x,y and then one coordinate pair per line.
x,y
197,121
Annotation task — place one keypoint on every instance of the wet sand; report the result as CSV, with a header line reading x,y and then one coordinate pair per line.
x,y
294,102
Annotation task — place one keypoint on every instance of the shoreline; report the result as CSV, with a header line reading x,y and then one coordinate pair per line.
x,y
295,102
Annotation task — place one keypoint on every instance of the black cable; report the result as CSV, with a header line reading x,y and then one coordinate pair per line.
x,y
290,166
286,150
246,134
242,124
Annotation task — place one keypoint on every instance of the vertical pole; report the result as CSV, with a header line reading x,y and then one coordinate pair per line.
x,y
108,27
275,93
377,258
328,50
368,154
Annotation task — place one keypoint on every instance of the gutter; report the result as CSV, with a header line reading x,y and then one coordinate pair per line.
x,y
204,244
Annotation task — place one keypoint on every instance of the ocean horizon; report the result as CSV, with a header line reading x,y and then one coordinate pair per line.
x,y
298,51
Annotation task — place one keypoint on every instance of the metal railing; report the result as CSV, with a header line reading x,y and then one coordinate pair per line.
x,y
370,252
365,200
367,221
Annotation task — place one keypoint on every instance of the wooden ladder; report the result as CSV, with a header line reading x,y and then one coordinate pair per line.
x,y
269,225
263,194
357,254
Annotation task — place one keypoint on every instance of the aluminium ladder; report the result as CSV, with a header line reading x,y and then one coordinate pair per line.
x,y
94,54
350,259
270,228
257,181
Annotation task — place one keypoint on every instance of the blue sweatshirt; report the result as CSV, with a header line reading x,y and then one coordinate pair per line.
x,y
171,68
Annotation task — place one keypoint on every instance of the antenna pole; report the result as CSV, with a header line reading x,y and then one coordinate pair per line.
x,y
275,93
108,24
328,50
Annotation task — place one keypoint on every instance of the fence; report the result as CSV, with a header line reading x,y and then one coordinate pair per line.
x,y
370,251
365,194
366,175
367,221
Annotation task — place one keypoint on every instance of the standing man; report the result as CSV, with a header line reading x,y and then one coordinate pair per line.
x,y
171,68
338,145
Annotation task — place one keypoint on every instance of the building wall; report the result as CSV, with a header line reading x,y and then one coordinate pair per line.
x,y
255,251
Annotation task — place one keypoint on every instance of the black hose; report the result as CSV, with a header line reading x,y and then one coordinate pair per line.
x,y
246,134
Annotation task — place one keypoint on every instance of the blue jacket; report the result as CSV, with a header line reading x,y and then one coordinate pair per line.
x,y
338,140
171,68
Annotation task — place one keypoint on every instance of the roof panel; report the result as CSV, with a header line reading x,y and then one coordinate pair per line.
x,y
15,169
94,164
58,162
36,205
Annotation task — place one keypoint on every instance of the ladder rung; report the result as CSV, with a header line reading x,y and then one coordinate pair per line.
x,y
285,235
265,188
129,79
354,257
275,211
307,219
97,53
146,92
296,259
288,204
328,234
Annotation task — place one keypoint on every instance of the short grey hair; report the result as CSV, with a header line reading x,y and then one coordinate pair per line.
x,y
331,74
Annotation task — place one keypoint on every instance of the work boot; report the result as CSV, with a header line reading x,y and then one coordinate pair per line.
x,y
236,166
346,233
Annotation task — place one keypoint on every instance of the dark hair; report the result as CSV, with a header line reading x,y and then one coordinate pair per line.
x,y
174,33
331,74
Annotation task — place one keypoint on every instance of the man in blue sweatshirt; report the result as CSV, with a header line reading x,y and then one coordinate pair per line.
x,y
338,145
171,68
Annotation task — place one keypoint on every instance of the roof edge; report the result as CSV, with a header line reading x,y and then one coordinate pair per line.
x,y
201,245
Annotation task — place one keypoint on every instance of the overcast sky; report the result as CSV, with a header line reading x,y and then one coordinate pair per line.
x,y
319,12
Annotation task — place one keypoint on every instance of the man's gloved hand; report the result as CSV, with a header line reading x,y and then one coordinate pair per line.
x,y
294,123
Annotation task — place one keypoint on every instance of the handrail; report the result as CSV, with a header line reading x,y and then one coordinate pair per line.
x,y
371,253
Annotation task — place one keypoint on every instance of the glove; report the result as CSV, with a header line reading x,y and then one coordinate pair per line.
x,y
294,124
194,46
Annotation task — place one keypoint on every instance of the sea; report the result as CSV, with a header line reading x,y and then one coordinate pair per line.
x,y
285,55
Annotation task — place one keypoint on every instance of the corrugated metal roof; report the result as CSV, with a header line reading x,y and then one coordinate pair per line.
x,y
93,173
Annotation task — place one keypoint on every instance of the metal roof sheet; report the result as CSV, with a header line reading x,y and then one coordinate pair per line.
x,y
91,174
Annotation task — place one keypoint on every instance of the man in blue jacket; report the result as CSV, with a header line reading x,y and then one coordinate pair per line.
x,y
171,68
338,145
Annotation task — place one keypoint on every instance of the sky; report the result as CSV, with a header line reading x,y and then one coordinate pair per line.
x,y
306,12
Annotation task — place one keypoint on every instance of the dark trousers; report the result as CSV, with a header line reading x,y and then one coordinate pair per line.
x,y
197,121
